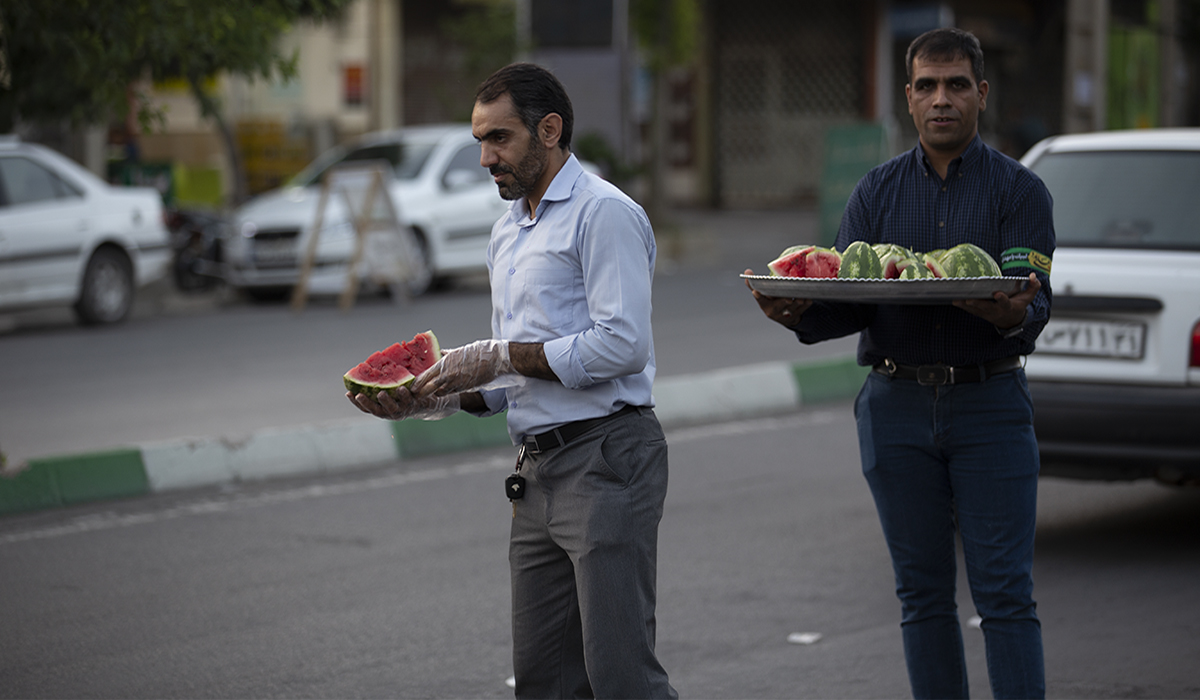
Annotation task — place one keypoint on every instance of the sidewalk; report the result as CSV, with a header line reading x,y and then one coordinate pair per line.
x,y
695,240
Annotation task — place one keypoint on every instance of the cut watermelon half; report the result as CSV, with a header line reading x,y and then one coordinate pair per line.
x,y
393,367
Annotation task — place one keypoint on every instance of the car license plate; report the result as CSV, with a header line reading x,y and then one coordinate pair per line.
x,y
1093,338
275,253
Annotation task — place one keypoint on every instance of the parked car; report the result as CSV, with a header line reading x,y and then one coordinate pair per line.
x,y
67,238
437,187
1115,379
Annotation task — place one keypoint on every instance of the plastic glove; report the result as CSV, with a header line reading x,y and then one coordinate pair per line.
x,y
483,364
403,405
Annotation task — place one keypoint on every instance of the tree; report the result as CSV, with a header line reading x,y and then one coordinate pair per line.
x,y
667,33
81,64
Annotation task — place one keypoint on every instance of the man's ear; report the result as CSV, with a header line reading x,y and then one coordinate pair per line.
x,y
550,130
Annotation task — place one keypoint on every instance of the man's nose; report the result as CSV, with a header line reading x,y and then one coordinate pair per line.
x,y
486,158
941,95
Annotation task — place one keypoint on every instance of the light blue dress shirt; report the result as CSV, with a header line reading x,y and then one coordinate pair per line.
x,y
575,277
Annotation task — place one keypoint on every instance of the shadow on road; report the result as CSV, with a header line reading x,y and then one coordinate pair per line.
x,y
1105,522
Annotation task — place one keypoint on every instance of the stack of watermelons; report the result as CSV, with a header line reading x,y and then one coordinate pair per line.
x,y
861,260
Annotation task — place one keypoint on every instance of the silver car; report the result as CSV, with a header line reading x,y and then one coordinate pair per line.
x,y
1115,379
67,238
438,191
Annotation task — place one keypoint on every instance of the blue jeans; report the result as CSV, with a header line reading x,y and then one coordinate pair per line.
x,y
958,457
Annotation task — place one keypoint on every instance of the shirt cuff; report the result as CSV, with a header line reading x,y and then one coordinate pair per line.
x,y
1016,330
564,360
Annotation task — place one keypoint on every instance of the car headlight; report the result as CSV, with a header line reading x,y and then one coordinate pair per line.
x,y
249,228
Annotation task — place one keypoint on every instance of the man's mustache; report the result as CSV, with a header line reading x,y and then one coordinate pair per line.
x,y
501,170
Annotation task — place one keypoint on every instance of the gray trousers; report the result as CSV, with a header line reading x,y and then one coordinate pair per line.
x,y
583,555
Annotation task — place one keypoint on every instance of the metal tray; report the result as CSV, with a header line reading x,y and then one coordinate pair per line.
x,y
939,290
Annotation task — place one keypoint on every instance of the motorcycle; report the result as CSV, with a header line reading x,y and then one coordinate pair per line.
x,y
196,246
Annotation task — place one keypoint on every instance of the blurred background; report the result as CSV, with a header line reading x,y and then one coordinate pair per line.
x,y
697,103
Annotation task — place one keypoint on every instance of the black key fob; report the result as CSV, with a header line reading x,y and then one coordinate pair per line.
x,y
514,487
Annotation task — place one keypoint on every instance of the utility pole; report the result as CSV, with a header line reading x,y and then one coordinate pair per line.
x,y
1086,76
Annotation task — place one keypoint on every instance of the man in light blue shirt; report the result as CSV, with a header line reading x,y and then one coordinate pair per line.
x,y
571,360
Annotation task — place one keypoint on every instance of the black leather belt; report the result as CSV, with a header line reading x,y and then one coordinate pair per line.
x,y
932,375
568,432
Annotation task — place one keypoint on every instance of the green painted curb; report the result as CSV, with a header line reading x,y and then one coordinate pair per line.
x,y
829,380
461,431
60,481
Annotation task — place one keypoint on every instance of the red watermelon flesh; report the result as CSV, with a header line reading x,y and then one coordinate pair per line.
x,y
822,263
394,366
791,262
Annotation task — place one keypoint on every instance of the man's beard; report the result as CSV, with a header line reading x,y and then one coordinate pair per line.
x,y
525,175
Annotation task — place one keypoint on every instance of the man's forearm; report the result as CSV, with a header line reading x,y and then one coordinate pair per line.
x,y
529,359
472,402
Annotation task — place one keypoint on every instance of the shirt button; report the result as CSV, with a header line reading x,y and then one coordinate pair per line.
x,y
509,316
512,271
941,224
943,189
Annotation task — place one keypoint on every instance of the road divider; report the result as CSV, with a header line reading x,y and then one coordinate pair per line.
x,y
710,397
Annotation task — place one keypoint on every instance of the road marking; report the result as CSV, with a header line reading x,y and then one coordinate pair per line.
x,y
231,502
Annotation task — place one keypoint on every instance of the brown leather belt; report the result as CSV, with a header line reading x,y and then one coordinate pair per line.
x,y
568,432
934,375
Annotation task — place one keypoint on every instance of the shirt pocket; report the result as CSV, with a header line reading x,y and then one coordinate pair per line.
x,y
550,299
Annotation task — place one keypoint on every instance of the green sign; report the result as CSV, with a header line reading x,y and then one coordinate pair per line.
x,y
850,151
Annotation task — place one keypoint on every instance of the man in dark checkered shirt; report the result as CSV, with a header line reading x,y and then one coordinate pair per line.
x,y
945,421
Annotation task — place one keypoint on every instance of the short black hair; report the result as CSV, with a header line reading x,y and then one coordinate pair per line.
x,y
946,44
535,92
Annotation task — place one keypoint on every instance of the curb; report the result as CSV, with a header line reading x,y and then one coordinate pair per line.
x,y
49,482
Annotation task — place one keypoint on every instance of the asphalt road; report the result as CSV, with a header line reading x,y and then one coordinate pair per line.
x,y
393,582
217,366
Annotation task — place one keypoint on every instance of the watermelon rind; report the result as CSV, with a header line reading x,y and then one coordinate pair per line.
x,y
393,367
969,260
859,261
913,269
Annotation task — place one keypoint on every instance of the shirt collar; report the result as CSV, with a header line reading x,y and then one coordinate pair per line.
x,y
965,159
560,189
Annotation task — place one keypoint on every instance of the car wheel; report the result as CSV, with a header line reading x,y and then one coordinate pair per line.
x,y
107,293
421,266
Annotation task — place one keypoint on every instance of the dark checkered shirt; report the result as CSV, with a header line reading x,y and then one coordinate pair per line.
x,y
987,199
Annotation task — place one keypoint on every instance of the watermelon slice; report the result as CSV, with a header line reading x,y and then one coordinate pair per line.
x,y
393,367
791,262
806,261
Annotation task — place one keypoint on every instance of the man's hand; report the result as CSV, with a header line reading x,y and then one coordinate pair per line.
x,y
399,404
781,310
1003,311
484,363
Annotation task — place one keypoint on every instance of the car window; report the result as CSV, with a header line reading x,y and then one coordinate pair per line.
x,y
466,168
26,182
406,160
1124,199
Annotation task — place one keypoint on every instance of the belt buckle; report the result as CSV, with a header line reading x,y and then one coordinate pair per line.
x,y
933,375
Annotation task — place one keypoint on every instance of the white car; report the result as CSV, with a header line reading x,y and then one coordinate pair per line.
x,y
67,238
1115,378
438,189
